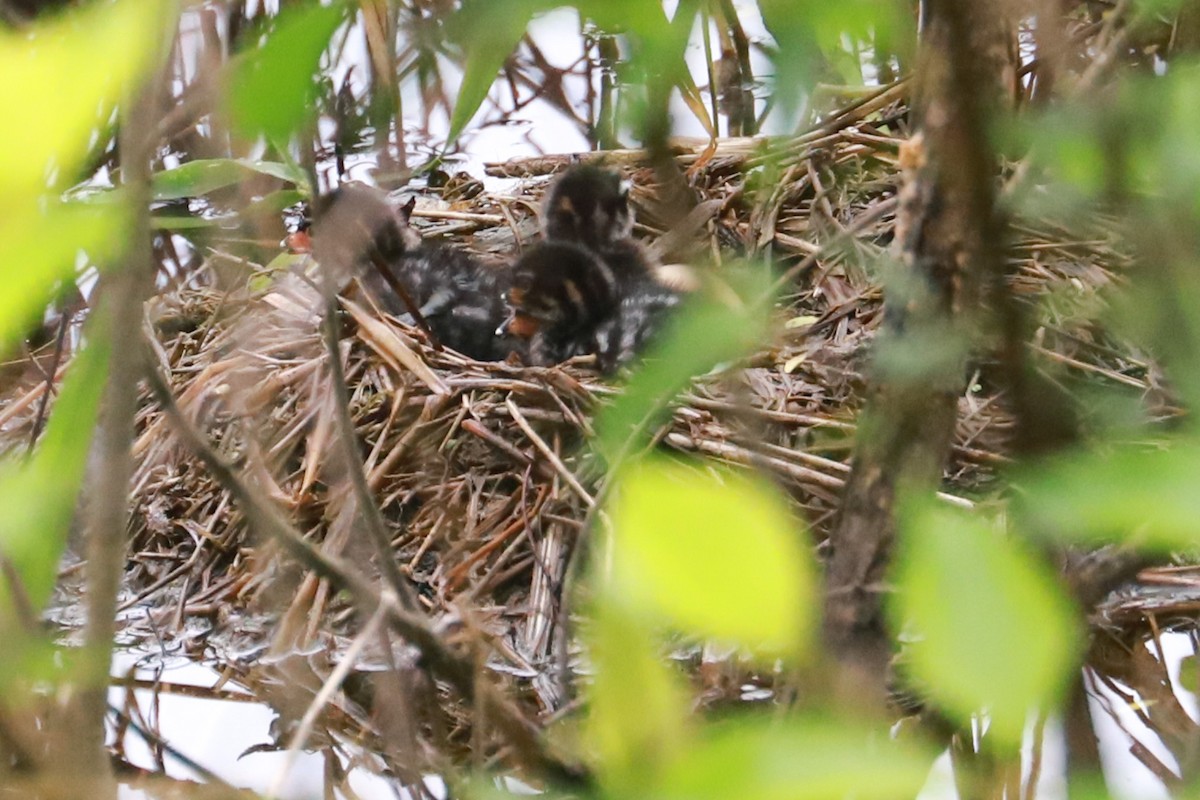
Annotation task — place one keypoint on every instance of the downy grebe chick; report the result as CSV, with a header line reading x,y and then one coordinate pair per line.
x,y
567,302
646,305
589,206
560,294
457,298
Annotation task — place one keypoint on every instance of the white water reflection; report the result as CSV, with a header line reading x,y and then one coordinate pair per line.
x,y
1118,728
215,733
1127,777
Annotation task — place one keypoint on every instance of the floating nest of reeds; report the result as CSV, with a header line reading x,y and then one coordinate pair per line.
x,y
480,468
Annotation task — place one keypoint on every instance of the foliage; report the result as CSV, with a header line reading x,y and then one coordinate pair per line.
x,y
712,332
74,71
713,553
1003,607
694,551
272,89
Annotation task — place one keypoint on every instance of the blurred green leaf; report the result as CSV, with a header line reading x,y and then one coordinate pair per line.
x,y
39,248
271,90
200,177
815,36
62,80
1161,311
1131,143
707,332
994,632
487,32
1189,668
273,203
645,20
654,63
1141,497
37,497
637,706
713,552
1164,7
657,42
807,759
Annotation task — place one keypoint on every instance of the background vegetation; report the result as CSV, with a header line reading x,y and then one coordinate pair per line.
x,y
150,129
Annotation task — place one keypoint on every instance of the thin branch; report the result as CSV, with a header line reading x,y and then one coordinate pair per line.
x,y
550,455
368,509
347,662
437,657
118,318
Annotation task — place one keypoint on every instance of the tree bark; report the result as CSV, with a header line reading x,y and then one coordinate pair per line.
x,y
946,245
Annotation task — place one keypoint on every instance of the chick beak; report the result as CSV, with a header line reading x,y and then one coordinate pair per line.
x,y
298,242
518,324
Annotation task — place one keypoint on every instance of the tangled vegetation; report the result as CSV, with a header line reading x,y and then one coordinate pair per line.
x,y
918,450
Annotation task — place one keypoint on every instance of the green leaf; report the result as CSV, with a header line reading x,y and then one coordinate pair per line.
x,y
994,632
39,248
271,91
288,173
1160,311
644,20
813,38
808,759
1189,668
37,498
1140,497
637,706
705,333
488,33
713,552
63,79
202,176
274,202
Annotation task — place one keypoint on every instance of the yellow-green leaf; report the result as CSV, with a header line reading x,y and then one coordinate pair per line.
x,y
713,552
993,631
637,707
37,497
39,247
802,321
1136,496
62,80
805,759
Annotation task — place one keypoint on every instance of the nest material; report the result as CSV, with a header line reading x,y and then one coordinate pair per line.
x,y
456,451
479,468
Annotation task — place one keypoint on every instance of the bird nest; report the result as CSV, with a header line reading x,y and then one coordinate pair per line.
x,y
481,469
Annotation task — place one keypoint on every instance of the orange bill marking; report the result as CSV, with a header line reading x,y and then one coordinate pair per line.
x,y
522,325
298,243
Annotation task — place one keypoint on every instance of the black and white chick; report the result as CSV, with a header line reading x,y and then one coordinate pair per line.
x,y
560,294
589,206
458,298
567,302
644,309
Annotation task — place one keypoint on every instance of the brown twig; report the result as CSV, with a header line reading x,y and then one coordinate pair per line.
x,y
460,672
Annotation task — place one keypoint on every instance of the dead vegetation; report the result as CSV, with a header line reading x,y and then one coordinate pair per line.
x,y
481,470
